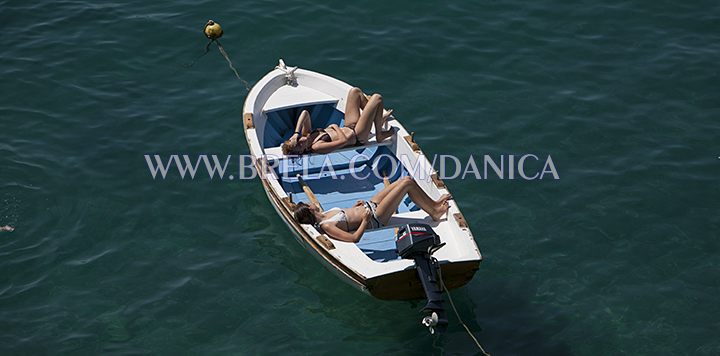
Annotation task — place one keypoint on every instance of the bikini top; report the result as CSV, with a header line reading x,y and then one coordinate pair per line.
x,y
341,216
322,136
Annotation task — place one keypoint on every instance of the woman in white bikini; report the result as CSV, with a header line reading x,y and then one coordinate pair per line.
x,y
361,112
349,224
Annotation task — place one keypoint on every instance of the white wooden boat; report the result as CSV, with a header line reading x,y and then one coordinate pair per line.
x,y
372,265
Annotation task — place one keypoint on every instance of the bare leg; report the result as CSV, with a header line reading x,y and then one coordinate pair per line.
x,y
383,193
356,100
390,202
372,114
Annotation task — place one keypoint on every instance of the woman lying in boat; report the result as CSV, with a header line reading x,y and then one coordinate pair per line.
x,y
361,112
349,224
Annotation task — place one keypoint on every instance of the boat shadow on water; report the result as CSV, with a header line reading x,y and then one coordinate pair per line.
x,y
498,312
313,295
500,315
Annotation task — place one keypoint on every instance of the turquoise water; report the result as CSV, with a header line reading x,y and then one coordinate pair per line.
x,y
619,256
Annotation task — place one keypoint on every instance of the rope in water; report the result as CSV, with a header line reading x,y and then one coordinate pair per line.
x,y
213,32
227,58
442,283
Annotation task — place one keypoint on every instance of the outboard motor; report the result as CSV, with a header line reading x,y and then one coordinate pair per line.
x,y
419,242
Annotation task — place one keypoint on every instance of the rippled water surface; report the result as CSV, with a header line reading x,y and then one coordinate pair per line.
x,y
619,256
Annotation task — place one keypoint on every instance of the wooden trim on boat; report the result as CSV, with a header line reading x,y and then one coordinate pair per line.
x,y
402,285
438,182
325,241
412,143
405,284
288,203
353,277
460,220
263,167
248,119
398,285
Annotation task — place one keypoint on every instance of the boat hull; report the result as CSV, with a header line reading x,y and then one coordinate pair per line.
x,y
387,279
402,285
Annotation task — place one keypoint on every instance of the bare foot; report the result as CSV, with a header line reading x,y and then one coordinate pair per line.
x,y
440,211
7,228
444,198
384,135
387,114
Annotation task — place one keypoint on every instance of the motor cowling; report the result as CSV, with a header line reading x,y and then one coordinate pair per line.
x,y
416,239
418,242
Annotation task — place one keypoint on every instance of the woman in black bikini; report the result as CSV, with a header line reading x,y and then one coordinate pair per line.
x,y
361,112
349,224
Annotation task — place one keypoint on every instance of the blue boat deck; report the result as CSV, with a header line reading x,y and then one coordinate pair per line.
x,y
331,178
338,187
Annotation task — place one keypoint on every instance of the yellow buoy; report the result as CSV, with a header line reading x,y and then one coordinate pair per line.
x,y
213,30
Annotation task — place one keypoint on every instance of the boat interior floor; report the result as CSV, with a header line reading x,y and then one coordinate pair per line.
x,y
356,174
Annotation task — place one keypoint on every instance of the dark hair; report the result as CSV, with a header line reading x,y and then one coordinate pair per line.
x,y
292,147
303,214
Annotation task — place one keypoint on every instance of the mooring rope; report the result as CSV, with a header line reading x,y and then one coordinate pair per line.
x,y
227,58
213,32
442,283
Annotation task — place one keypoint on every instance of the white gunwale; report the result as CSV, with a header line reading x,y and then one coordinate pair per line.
x,y
459,258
